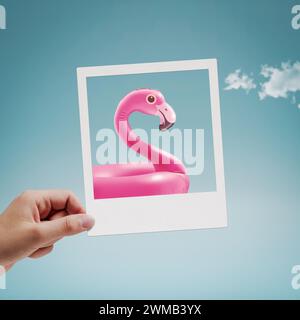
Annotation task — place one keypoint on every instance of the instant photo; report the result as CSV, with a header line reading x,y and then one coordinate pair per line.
x,y
152,146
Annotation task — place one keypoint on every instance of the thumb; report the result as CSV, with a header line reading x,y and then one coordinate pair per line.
x,y
66,226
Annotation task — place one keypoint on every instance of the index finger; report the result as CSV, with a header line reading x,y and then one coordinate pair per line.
x,y
51,200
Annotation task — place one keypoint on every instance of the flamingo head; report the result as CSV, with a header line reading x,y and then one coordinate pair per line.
x,y
151,102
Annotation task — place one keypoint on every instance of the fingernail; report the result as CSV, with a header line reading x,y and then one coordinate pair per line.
x,y
87,222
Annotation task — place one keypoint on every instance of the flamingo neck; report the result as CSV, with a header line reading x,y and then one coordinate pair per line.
x,y
161,160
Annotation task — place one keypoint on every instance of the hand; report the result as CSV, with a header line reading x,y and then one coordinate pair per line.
x,y
35,220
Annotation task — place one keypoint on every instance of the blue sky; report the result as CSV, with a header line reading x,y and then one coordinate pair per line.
x,y
44,43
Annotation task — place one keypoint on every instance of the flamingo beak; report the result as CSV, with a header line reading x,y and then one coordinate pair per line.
x,y
167,116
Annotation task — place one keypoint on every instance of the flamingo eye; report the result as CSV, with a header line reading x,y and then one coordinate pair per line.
x,y
151,99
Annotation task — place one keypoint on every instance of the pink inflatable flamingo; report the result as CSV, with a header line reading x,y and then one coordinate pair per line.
x,y
163,174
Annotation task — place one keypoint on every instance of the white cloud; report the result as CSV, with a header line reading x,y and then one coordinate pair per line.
x,y
280,81
238,80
